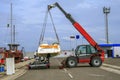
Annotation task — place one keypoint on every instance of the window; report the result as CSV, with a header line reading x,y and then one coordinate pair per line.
x,y
82,50
93,50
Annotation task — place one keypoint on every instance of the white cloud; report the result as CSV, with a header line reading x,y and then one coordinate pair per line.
x,y
87,4
66,38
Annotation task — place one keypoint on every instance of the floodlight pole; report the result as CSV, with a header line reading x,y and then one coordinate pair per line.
x,y
106,11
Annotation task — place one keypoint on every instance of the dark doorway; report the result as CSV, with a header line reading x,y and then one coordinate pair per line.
x,y
109,53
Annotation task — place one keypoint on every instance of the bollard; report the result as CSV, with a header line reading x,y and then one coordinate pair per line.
x,y
2,68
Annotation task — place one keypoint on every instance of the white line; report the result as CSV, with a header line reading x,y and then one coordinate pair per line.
x,y
111,70
66,71
96,75
16,75
113,66
70,75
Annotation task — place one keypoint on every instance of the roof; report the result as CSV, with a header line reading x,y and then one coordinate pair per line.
x,y
109,45
13,44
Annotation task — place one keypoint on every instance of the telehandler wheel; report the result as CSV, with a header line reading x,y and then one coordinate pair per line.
x,y
96,62
90,64
71,62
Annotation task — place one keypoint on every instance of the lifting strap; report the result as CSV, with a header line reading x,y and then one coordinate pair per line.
x,y
54,27
44,27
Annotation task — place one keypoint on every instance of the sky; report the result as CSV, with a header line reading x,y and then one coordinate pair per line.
x,y
29,15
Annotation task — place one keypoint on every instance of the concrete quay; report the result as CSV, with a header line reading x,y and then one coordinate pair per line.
x,y
20,69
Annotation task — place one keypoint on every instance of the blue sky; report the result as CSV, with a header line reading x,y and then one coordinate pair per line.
x,y
28,17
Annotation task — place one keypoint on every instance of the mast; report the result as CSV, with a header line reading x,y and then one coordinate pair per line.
x,y
11,18
11,25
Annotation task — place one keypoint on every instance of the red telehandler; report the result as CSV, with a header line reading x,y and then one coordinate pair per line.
x,y
91,54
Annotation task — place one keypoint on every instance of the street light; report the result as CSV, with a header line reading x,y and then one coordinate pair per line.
x,y
72,37
106,11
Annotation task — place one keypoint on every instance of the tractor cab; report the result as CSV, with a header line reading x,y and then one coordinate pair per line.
x,y
85,50
14,52
13,47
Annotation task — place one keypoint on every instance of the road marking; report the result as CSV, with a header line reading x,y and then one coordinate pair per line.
x,y
16,75
112,66
110,70
96,75
70,75
65,70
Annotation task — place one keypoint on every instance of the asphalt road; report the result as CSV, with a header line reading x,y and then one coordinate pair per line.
x,y
82,72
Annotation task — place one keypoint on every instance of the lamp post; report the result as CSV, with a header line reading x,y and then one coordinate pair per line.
x,y
106,11
72,37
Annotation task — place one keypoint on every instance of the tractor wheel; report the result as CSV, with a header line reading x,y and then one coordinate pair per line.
x,y
96,62
29,68
90,64
71,62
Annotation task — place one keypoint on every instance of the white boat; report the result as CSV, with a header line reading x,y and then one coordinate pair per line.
x,y
52,49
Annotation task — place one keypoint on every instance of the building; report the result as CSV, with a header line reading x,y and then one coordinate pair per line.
x,y
111,50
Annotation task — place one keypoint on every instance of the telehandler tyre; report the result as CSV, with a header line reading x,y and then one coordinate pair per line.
x,y
71,62
96,62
